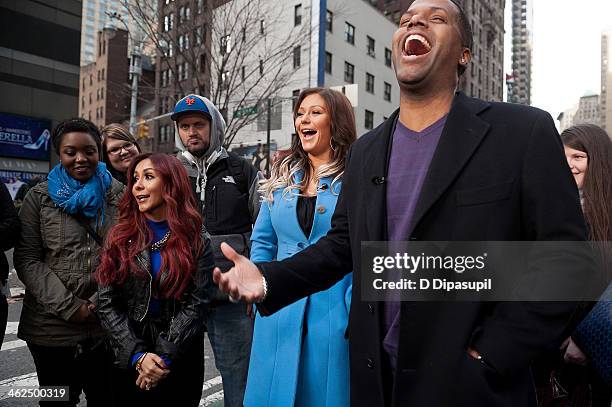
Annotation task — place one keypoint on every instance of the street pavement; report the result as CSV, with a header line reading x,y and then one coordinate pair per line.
x,y
17,367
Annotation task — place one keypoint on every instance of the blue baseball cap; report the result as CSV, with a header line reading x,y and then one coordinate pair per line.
x,y
190,104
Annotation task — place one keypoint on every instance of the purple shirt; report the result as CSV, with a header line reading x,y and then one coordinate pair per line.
x,y
411,154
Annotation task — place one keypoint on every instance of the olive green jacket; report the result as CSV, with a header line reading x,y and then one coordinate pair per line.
x,y
55,259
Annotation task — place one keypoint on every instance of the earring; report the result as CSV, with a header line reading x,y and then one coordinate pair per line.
x,y
331,145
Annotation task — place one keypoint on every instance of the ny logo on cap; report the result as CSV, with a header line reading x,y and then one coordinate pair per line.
x,y
190,101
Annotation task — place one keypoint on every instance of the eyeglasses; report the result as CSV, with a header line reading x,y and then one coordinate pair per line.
x,y
117,150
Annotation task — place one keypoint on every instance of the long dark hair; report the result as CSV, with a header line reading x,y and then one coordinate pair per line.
x,y
131,235
343,133
597,187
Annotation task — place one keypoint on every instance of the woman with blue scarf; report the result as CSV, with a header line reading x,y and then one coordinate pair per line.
x,y
64,221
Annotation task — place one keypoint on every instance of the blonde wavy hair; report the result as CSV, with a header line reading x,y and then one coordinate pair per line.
x,y
294,160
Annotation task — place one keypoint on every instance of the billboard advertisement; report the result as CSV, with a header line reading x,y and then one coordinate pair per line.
x,y
256,154
24,137
15,179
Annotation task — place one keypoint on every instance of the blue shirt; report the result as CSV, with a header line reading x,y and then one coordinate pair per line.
x,y
159,230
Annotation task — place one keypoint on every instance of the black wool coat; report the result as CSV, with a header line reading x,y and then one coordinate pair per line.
x,y
498,174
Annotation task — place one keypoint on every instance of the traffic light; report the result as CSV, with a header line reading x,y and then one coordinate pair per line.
x,y
143,131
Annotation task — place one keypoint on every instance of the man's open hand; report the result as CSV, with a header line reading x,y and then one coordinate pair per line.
x,y
243,282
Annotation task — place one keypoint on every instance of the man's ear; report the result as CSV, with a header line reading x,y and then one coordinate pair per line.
x,y
466,57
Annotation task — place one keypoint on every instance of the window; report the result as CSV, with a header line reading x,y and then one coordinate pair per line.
x,y
199,6
165,132
102,93
225,80
294,98
261,67
262,27
198,36
328,62
329,21
349,72
369,83
183,42
184,14
243,73
388,57
226,44
349,33
297,57
371,46
168,22
102,73
369,120
387,92
170,49
297,15
183,71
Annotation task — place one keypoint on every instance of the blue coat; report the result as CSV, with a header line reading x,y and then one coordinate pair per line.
x,y
299,355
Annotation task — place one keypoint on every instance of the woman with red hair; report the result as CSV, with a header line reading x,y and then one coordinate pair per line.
x,y
152,278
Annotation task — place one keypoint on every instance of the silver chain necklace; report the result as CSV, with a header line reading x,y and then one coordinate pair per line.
x,y
155,247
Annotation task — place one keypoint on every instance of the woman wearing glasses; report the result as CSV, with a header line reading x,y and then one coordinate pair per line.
x,y
119,148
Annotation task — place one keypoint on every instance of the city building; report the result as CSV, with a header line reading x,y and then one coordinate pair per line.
x,y
184,65
522,20
566,118
105,88
606,81
96,16
588,110
484,78
333,46
39,82
104,95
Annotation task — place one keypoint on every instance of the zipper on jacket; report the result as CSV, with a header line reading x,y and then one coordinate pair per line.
x,y
148,298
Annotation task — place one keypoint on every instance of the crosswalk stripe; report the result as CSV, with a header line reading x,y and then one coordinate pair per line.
x,y
31,380
208,400
18,343
211,383
11,328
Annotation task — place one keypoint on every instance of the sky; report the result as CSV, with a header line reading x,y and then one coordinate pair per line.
x,y
566,50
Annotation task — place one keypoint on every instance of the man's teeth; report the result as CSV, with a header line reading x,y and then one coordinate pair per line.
x,y
419,38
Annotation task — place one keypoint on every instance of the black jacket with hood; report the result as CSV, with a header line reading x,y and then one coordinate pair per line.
x,y
225,188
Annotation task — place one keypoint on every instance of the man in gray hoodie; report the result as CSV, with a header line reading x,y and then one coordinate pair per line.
x,y
225,188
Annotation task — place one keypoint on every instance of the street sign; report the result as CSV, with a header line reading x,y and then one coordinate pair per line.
x,y
245,111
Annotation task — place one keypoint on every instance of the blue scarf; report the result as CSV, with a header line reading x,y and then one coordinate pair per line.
x,y
76,197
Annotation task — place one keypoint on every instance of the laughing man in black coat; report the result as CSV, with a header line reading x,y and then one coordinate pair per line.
x,y
496,173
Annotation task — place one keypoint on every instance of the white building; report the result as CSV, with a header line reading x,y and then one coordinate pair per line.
x,y
341,42
588,110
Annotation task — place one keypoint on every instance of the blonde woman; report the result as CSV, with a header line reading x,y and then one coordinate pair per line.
x,y
300,354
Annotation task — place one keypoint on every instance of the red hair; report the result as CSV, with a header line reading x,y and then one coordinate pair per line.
x,y
131,235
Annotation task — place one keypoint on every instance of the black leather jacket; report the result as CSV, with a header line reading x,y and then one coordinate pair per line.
x,y
123,312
